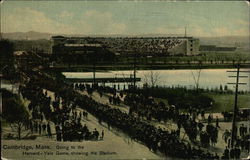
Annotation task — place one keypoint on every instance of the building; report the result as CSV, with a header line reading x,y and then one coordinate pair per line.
x,y
73,45
189,46
211,48
125,46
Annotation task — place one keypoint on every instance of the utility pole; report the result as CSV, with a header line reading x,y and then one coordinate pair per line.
x,y
234,131
94,70
235,109
0,21
185,31
134,71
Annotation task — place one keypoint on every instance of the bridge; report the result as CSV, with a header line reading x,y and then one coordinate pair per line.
x,y
102,80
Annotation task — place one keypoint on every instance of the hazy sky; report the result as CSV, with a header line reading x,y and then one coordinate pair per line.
x,y
205,18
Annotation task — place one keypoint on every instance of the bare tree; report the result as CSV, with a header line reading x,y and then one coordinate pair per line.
x,y
196,76
18,127
16,114
151,78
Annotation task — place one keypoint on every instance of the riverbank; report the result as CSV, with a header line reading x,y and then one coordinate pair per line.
x,y
150,66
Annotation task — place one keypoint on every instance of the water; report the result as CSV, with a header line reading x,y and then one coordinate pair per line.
x,y
209,78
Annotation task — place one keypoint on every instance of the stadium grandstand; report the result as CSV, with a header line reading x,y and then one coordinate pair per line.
x,y
143,46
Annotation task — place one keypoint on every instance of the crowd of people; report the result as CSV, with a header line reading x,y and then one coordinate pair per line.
x,y
39,109
147,107
242,142
242,115
67,120
144,46
233,153
156,139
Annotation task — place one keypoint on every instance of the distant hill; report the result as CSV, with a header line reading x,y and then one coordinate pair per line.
x,y
26,35
224,40
241,42
31,35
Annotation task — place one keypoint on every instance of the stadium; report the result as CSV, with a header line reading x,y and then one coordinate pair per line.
x,y
143,46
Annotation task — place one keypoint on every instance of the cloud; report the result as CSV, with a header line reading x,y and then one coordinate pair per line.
x,y
98,15
198,32
242,32
90,22
66,14
242,22
192,30
221,31
166,30
224,31
27,19
95,22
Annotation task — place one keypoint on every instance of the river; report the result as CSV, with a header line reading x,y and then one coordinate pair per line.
x,y
209,78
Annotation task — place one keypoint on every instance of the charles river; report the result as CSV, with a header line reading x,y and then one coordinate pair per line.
x,y
209,78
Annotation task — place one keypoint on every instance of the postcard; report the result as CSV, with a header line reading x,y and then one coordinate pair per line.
x,y
124,80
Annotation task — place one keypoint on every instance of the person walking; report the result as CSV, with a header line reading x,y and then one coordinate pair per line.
x,y
217,122
102,135
209,119
49,130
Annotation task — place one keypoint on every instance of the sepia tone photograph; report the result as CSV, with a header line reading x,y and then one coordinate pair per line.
x,y
124,80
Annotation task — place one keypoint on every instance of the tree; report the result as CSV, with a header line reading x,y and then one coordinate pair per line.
x,y
6,52
225,87
16,114
151,78
6,58
221,89
196,77
6,49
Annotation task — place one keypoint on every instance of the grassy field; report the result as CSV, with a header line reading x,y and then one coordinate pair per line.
x,y
224,102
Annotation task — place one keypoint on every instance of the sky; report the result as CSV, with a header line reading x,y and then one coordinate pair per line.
x,y
201,18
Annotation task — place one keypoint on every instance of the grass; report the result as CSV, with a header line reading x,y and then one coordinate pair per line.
x,y
225,102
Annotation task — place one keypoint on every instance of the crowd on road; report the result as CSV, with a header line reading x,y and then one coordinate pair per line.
x,y
142,108
242,142
66,119
62,113
147,107
156,139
